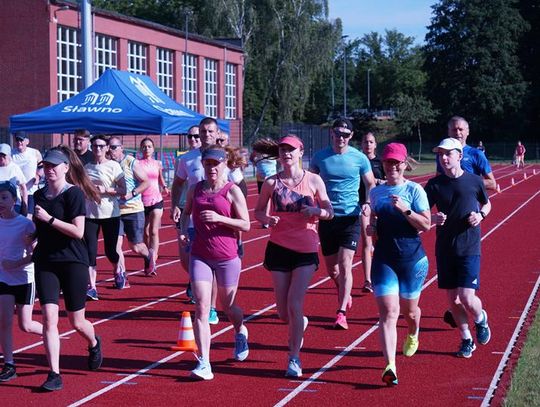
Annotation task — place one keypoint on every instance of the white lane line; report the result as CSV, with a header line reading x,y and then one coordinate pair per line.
x,y
376,326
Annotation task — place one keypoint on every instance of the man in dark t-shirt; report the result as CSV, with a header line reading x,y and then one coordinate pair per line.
x,y
462,203
81,143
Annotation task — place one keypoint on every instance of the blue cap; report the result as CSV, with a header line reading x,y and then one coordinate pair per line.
x,y
214,154
55,157
8,186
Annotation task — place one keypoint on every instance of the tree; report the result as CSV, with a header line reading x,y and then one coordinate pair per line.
x,y
412,113
472,61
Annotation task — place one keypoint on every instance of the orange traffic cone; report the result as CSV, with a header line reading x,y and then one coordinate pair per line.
x,y
186,337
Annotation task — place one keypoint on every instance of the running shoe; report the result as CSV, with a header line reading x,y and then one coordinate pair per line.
x,y
121,280
483,333
294,368
151,270
389,375
368,287
241,349
203,370
53,382
92,294
8,372
213,318
341,321
449,318
95,357
466,349
411,345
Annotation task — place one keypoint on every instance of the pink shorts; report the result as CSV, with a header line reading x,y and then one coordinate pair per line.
x,y
227,272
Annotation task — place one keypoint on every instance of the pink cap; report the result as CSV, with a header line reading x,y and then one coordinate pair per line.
x,y
394,151
292,141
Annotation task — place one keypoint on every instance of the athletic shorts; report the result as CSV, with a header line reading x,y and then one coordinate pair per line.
x,y
25,294
132,225
399,278
71,278
458,272
148,209
279,258
340,231
227,272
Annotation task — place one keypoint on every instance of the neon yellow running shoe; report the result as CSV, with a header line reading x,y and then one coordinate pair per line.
x,y
389,375
411,345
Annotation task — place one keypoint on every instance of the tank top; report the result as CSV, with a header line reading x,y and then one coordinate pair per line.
x,y
212,240
294,231
151,195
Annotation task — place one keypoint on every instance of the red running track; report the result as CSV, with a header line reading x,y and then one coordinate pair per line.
x,y
138,325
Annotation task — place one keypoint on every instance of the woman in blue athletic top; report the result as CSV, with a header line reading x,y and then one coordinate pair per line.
x,y
400,210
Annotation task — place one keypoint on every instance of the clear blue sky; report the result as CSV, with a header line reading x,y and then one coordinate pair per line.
x,y
360,17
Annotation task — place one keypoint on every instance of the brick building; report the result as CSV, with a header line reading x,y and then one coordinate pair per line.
x,y
40,62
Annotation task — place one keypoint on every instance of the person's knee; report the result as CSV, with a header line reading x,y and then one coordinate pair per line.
x,y
390,313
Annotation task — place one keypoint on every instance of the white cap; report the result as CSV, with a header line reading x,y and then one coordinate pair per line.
x,y
449,144
5,149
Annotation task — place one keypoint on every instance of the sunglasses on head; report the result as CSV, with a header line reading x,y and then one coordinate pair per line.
x,y
190,136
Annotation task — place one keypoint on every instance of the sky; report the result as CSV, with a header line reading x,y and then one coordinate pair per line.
x,y
360,17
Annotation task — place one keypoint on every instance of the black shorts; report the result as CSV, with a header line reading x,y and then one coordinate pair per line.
x,y
71,278
132,225
458,272
340,231
25,294
279,258
148,209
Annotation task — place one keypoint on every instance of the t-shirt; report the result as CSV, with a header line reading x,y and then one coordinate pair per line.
x,y
190,167
341,174
87,157
474,161
13,247
27,161
107,174
378,173
134,204
457,198
13,174
397,239
53,245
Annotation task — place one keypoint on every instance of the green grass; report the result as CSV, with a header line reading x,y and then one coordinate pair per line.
x,y
525,386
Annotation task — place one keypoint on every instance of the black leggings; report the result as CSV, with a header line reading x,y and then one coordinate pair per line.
x,y
110,228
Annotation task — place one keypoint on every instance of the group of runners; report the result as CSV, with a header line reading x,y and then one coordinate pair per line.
x,y
345,194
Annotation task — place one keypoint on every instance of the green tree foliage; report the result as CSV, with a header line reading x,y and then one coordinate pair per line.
x,y
472,62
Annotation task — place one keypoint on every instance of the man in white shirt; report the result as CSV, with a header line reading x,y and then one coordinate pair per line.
x,y
27,159
11,172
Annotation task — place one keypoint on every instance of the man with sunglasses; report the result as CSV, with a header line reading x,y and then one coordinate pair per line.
x,y
341,166
81,146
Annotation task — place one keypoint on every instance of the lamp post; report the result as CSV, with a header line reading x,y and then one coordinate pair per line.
x,y
368,90
343,37
187,13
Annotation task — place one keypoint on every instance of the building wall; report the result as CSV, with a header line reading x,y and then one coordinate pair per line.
x,y
28,73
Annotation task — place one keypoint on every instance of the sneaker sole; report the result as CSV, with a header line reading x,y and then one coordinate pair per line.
x,y
197,377
8,379
390,378
213,322
292,374
461,355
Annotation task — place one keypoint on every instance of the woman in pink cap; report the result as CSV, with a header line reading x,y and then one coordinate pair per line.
x,y
400,209
298,199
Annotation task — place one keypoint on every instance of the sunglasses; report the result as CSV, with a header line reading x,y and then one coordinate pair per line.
x,y
114,146
220,140
100,146
342,135
190,136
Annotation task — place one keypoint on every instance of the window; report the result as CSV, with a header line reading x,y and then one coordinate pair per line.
x,y
189,78
68,60
210,87
164,62
230,91
105,54
137,57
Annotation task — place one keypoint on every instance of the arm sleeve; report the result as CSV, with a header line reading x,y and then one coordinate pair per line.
x,y
75,204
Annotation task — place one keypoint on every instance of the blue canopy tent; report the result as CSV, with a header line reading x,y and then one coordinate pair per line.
x,y
117,103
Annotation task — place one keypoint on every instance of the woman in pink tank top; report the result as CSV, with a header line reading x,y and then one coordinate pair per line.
x,y
298,199
219,212
152,197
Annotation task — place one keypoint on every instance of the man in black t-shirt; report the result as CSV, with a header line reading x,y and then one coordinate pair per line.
x,y
81,143
462,203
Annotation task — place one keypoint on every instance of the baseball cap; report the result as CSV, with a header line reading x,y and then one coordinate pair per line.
x,y
5,149
292,141
21,135
344,125
394,151
54,157
214,154
8,186
449,144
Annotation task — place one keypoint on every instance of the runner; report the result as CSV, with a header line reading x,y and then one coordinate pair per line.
x,y
519,155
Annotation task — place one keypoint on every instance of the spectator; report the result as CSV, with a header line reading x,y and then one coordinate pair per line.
x,y
11,172
27,159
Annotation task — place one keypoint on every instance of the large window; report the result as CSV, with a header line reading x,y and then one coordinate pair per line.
x,y
106,54
68,59
164,62
210,87
189,77
136,57
230,91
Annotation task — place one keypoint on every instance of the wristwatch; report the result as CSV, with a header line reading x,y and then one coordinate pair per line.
x,y
51,221
482,214
408,212
134,192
